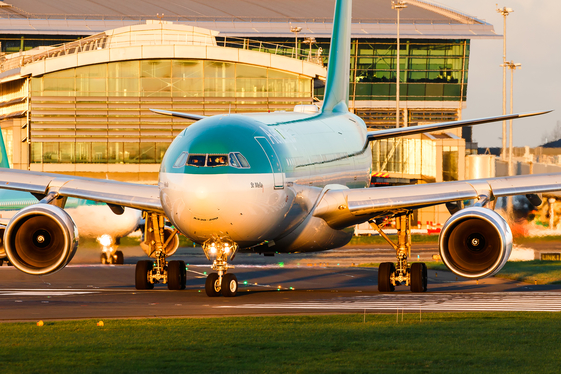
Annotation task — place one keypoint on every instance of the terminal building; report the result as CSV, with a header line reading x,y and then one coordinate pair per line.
x,y
78,77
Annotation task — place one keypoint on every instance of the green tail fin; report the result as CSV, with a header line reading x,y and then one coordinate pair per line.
x,y
3,155
336,97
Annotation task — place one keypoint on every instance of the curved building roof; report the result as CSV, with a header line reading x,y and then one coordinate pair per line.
x,y
244,18
151,40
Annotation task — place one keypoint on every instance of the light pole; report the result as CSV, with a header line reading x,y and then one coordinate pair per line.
x,y
397,5
295,30
310,40
512,66
505,12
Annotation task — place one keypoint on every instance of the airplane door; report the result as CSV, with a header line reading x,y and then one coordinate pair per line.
x,y
274,161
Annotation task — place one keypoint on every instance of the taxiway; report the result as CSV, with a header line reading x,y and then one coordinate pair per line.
x,y
301,285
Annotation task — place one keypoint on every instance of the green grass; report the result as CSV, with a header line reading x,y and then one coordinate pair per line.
x,y
441,343
376,239
536,239
135,241
542,272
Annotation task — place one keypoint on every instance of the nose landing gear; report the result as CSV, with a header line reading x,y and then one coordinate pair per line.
x,y
220,282
390,274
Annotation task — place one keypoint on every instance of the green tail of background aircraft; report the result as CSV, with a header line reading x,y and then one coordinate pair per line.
x,y
274,182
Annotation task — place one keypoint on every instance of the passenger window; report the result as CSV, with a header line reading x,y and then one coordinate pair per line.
x,y
217,160
196,160
243,160
181,160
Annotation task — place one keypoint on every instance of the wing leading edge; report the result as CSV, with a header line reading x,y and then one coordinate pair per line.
x,y
345,207
412,130
131,195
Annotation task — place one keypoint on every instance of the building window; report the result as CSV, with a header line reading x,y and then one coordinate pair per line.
x,y
449,163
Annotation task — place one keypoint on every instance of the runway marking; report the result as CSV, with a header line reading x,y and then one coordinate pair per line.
x,y
44,293
512,301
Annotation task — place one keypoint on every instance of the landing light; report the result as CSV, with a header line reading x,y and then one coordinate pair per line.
x,y
105,240
213,249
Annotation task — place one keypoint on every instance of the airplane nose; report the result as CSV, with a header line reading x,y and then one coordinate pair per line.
x,y
225,205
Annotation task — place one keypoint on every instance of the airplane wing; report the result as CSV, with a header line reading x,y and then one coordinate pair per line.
x,y
195,117
123,194
344,207
412,130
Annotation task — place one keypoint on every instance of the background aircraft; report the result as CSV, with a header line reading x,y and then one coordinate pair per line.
x,y
93,219
273,182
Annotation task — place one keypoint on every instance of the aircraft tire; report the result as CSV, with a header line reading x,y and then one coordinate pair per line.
x,y
212,287
176,275
418,277
141,275
119,258
103,259
229,285
385,271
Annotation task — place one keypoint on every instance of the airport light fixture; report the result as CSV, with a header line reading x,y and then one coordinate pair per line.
x,y
295,30
397,5
504,12
512,66
310,40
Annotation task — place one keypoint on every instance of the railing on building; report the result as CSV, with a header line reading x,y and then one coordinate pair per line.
x,y
103,41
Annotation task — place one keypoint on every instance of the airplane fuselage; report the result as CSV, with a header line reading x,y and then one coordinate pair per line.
x,y
291,157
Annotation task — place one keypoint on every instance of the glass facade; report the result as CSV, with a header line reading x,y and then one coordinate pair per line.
x,y
450,156
405,156
100,113
172,78
430,69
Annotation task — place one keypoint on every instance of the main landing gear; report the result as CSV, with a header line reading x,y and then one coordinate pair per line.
x,y
220,282
390,274
159,243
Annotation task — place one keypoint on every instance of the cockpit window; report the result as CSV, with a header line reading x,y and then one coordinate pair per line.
x,y
243,160
233,159
180,162
197,160
217,160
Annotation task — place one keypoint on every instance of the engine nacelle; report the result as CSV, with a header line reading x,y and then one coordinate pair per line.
x,y
2,250
40,239
475,242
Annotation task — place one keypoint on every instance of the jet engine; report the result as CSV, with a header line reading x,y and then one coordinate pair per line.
x,y
475,242
40,239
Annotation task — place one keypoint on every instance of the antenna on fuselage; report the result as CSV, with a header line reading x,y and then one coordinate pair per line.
x,y
336,98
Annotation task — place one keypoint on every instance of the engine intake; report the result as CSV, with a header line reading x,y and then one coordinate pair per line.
x,y
475,242
40,239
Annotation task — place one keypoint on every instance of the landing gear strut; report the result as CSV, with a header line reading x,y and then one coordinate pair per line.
x,y
390,274
220,282
149,272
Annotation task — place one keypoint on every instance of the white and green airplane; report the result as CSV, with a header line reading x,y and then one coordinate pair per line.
x,y
93,219
274,183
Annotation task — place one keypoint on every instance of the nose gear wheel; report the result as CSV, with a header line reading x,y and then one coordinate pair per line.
x,y
219,249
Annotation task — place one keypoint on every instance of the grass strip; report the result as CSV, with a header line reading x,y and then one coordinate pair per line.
x,y
440,343
377,239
